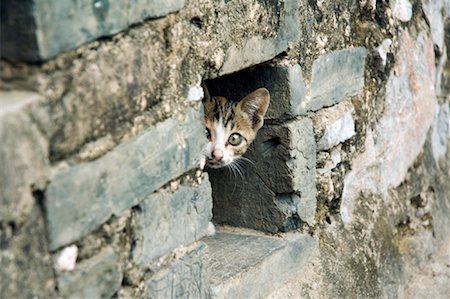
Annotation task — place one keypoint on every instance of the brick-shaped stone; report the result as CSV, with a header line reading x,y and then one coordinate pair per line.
x,y
80,198
23,154
276,191
336,75
166,220
256,49
334,125
97,277
185,277
250,266
50,27
284,83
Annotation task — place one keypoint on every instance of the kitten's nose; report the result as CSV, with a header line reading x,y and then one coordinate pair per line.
x,y
217,154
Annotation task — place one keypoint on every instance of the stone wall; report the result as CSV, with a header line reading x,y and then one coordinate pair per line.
x,y
346,190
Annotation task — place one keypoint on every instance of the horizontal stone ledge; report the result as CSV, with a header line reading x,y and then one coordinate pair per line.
x,y
243,265
80,198
49,27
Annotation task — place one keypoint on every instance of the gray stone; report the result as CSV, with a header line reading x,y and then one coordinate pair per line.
x,y
397,138
185,277
79,199
433,12
440,134
284,83
98,277
166,220
276,191
333,125
250,266
50,27
23,155
256,49
336,75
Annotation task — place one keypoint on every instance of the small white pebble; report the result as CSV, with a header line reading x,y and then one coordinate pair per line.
x,y
67,259
195,93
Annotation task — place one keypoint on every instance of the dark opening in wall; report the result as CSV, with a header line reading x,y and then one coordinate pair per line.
x,y
272,187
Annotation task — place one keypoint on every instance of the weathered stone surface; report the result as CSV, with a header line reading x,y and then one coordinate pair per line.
x,y
59,26
25,263
432,280
336,75
402,10
333,125
256,49
284,83
440,134
433,11
82,197
276,190
23,155
97,277
409,110
166,220
249,266
186,277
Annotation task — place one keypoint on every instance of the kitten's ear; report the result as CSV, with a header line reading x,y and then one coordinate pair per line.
x,y
255,106
206,95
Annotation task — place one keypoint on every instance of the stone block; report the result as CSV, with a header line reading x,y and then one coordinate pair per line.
x,y
333,125
23,155
249,266
98,277
50,27
80,198
166,220
185,277
256,49
284,82
400,133
276,190
336,75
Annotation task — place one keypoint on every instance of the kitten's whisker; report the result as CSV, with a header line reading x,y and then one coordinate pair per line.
x,y
246,159
238,169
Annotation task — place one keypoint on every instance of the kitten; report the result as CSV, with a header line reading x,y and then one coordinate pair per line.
x,y
230,127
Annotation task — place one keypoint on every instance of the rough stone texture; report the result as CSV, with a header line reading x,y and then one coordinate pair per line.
x,y
253,50
25,166
333,125
25,263
400,134
80,198
166,220
97,277
251,266
185,277
441,131
51,27
276,190
284,83
335,76
121,85
432,280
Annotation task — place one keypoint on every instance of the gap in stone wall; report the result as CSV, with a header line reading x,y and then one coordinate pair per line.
x,y
265,194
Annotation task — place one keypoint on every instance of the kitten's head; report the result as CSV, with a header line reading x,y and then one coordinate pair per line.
x,y
231,127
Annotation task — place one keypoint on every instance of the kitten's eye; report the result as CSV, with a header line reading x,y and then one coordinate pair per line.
x,y
235,139
208,133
